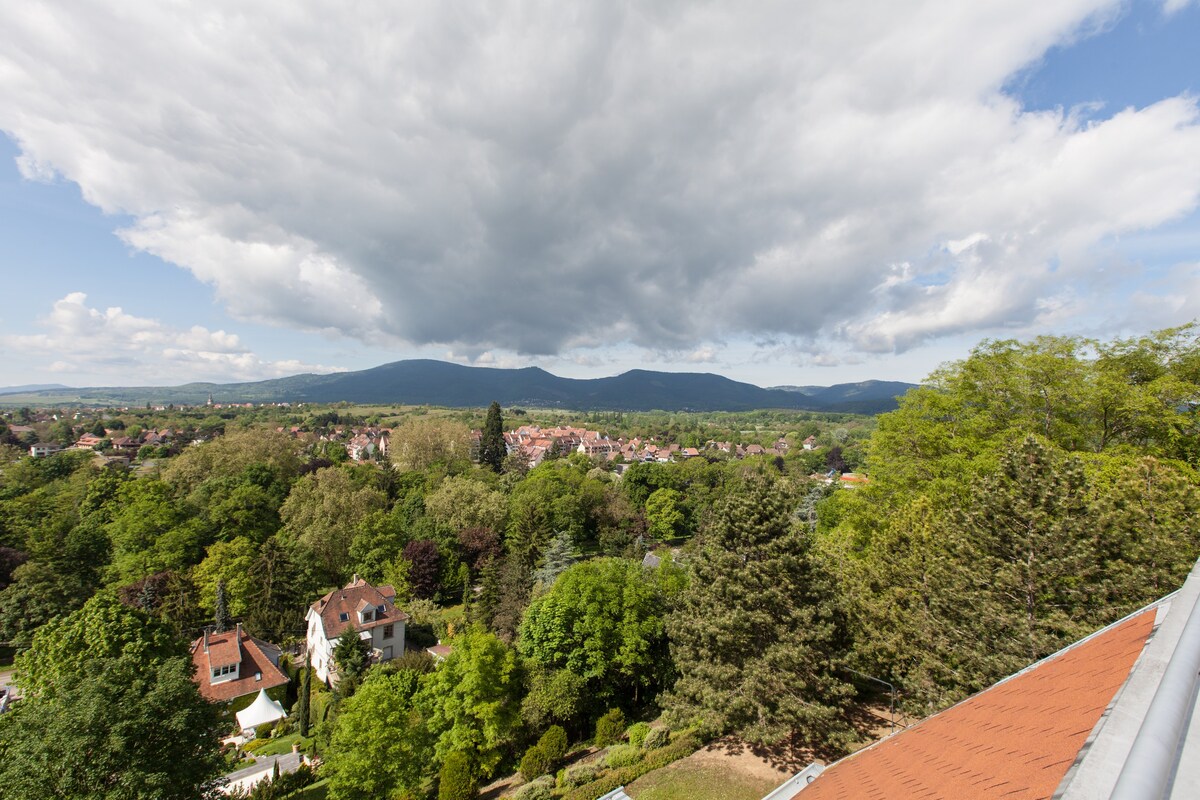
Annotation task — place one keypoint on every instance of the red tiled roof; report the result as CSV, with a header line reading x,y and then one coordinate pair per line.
x,y
253,661
1015,740
357,595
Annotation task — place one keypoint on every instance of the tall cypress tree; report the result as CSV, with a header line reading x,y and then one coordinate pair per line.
x,y
221,617
756,636
302,710
491,447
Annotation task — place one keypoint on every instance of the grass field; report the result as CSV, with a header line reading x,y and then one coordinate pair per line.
x,y
689,780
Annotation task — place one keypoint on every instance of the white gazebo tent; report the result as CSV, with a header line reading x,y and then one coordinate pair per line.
x,y
261,711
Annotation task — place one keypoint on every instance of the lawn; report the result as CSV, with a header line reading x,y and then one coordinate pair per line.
x,y
315,791
687,780
283,745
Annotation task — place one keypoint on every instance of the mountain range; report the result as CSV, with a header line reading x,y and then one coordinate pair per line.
x,y
426,382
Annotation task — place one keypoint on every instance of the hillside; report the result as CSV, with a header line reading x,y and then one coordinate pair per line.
x,y
425,382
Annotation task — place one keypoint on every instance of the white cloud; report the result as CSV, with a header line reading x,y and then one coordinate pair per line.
x,y
516,178
86,341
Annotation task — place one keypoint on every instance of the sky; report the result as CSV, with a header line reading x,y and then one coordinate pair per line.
x,y
780,193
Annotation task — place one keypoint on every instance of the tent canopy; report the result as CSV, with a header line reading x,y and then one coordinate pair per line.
x,y
262,710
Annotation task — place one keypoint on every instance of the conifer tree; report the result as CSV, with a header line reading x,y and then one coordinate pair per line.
x,y
756,637
560,554
492,449
221,618
302,705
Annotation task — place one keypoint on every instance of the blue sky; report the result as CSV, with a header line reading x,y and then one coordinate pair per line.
x,y
677,191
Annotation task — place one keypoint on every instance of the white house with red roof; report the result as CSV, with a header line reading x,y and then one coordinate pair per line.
x,y
359,609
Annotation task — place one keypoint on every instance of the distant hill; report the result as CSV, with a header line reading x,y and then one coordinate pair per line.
x,y
31,387
425,382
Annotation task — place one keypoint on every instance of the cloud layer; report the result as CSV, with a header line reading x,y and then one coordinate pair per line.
x,y
540,177
79,340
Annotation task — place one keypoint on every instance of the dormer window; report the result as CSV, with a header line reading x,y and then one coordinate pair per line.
x,y
379,610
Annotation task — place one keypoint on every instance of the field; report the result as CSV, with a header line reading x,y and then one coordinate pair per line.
x,y
725,771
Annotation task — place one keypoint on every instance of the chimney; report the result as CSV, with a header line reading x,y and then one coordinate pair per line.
x,y
239,632
354,580
206,640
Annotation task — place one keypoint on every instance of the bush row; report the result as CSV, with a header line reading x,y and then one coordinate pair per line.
x,y
655,759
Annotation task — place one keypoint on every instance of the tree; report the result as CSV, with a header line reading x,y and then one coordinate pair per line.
x,y
756,636
559,555
456,779
322,513
471,703
423,442
602,620
423,560
303,711
378,747
492,449
663,515
123,728
104,629
351,655
463,502
221,618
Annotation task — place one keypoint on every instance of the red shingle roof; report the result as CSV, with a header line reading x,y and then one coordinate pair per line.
x,y
1015,740
222,648
354,597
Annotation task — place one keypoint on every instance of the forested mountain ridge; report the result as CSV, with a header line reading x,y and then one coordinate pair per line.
x,y
427,382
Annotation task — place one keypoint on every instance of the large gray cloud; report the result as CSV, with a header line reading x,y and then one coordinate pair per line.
x,y
542,176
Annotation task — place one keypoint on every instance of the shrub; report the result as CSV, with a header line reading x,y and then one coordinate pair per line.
x,y
656,738
610,727
534,763
541,789
622,755
264,731
456,780
637,733
554,744
685,745
579,774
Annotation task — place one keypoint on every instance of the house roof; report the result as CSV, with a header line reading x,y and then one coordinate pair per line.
x,y
253,662
1114,715
348,600
1015,740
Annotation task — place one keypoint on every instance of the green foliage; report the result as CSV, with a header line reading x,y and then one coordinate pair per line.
x,y
622,755
535,763
123,727
103,629
456,779
757,635
579,774
471,703
553,696
637,733
663,514
554,744
304,701
539,789
351,656
656,738
603,620
492,449
378,747
609,728
684,746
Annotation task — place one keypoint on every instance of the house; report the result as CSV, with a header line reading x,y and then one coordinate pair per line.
x,y
810,443
234,664
359,609
1112,715
43,449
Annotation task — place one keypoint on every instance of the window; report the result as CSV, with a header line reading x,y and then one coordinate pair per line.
x,y
343,616
368,615
378,609
388,631
217,673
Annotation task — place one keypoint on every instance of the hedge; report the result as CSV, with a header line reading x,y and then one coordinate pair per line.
x,y
684,746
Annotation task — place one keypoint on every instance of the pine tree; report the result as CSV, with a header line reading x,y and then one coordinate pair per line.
x,y
560,554
756,637
492,449
221,617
